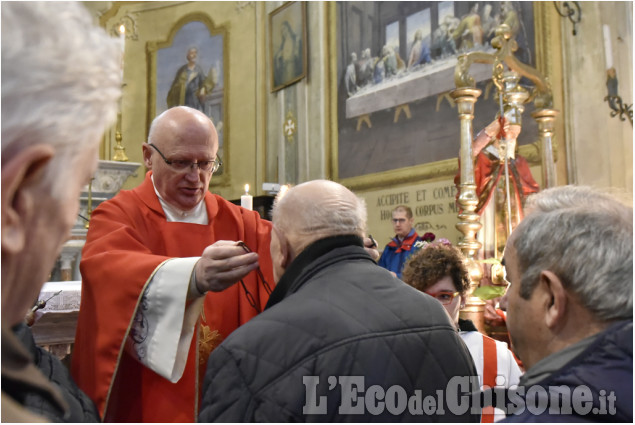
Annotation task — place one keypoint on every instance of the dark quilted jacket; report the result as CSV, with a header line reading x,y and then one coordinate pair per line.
x,y
334,313
606,369
81,408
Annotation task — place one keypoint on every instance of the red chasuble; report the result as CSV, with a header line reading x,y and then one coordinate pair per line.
x,y
487,173
489,170
128,238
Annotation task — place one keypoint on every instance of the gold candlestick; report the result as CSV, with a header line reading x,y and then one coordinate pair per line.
x,y
469,221
120,151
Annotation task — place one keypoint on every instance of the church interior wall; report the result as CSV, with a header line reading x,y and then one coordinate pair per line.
x,y
154,21
590,147
601,148
301,156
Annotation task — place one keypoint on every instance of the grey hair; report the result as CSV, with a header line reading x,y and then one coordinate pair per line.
x,y
575,196
589,248
61,78
337,215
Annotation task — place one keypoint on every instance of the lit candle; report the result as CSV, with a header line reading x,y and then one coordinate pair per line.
x,y
283,190
122,40
247,201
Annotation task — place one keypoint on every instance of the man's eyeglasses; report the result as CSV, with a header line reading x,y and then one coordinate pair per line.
x,y
265,284
181,164
444,297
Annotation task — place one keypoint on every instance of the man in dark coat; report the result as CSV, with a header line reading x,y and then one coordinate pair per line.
x,y
61,82
570,307
340,339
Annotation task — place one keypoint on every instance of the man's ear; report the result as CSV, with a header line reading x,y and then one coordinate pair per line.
x,y
20,177
284,250
556,299
147,153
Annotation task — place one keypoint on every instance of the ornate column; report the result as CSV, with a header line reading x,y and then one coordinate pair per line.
x,y
68,259
545,119
469,222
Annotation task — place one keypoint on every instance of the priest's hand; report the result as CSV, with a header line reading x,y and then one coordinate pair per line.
x,y
370,245
223,264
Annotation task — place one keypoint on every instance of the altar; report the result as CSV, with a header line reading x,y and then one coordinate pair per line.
x,y
55,324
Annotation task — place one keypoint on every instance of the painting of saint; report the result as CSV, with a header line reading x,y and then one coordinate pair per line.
x,y
190,84
288,44
190,72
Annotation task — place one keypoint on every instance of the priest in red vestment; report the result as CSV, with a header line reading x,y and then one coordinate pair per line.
x,y
159,270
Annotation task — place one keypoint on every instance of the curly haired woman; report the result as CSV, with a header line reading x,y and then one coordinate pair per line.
x,y
439,270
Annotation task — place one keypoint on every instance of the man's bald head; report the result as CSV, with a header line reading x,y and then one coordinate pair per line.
x,y
317,209
181,134
179,122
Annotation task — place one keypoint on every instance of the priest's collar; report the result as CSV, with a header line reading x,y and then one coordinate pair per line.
x,y
197,215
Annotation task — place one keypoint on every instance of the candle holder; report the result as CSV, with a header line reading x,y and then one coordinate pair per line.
x,y
570,10
618,107
120,151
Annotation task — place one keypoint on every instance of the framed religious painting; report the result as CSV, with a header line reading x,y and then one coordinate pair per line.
x,y
287,45
396,121
189,68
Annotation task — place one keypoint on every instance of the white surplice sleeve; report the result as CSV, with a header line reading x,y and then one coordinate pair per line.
x,y
164,322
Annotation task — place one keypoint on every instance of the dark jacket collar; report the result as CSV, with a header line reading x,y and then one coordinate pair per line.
x,y
317,249
466,325
604,344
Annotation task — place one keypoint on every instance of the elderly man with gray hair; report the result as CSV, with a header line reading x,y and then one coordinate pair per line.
x,y
61,78
341,339
570,307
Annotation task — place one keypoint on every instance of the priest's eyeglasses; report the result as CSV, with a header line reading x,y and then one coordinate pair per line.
x,y
265,284
181,164
444,297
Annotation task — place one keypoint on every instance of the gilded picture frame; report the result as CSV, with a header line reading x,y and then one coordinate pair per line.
x,y
422,169
287,45
189,68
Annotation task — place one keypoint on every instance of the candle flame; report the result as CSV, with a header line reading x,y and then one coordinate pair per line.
x,y
283,190
122,29
247,189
